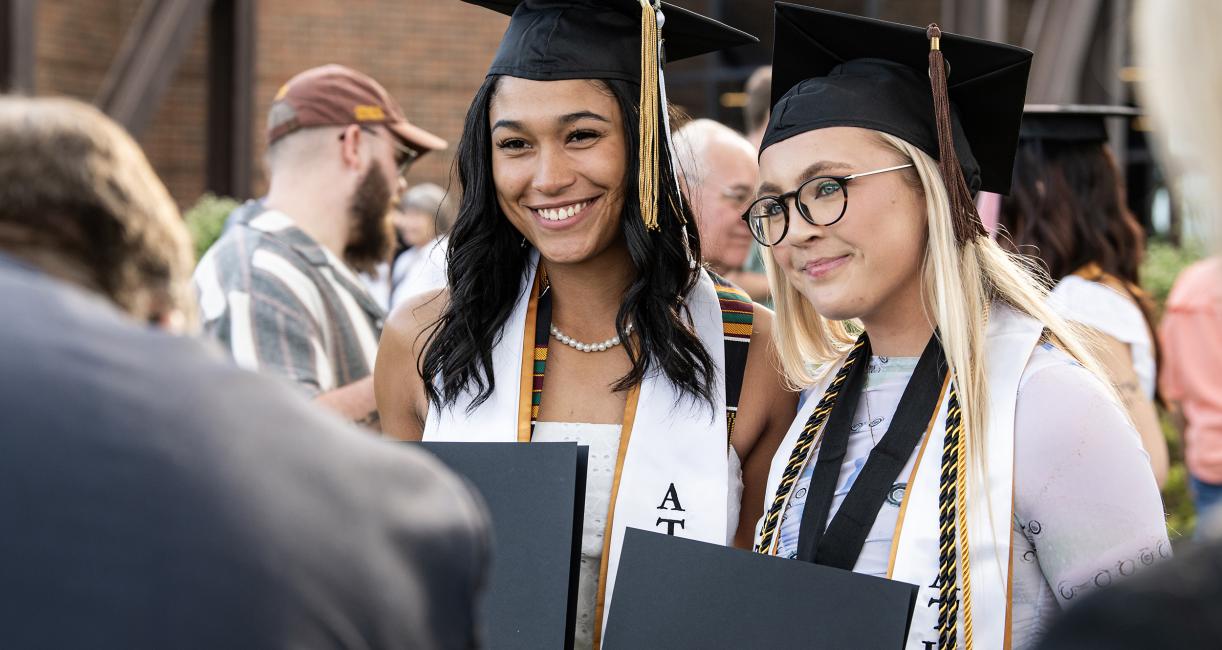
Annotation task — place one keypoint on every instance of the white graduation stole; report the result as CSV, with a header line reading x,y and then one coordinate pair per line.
x,y
1011,339
673,475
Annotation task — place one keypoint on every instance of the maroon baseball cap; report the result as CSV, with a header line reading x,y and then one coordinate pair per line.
x,y
336,95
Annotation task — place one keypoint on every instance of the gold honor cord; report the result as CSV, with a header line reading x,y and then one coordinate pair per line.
x,y
647,178
952,505
952,528
801,451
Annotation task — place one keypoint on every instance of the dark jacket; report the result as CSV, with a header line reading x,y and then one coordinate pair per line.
x,y
154,496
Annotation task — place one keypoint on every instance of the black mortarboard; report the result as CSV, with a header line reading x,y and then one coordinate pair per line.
x,y
833,69
596,39
1070,122
548,40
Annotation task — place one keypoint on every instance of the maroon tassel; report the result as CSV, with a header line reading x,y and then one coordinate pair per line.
x,y
964,217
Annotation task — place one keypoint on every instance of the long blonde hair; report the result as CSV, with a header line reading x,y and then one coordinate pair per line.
x,y
959,285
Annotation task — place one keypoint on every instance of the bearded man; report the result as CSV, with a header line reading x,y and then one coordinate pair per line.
x,y
280,289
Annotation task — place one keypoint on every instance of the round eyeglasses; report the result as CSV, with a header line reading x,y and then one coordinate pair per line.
x,y
821,201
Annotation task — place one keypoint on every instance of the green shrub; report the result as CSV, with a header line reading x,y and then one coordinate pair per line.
x,y
1162,266
205,220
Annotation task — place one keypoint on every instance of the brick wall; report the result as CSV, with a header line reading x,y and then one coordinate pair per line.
x,y
430,54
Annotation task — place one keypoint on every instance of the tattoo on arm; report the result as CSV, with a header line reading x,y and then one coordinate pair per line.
x,y
1145,557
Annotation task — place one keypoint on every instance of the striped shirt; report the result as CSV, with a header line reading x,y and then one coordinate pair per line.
x,y
283,304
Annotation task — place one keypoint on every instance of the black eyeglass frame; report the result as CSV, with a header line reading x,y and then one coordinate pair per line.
x,y
783,200
410,155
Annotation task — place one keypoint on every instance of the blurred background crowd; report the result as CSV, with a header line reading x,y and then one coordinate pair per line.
x,y
193,81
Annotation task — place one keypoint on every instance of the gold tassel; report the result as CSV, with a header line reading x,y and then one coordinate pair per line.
x,y
647,179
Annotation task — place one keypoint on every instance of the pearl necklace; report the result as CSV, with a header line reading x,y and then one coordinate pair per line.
x,y
602,346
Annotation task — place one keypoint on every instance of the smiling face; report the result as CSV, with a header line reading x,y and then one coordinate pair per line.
x,y
559,159
870,261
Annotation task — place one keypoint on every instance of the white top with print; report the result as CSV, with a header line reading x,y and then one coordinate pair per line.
x,y
1086,509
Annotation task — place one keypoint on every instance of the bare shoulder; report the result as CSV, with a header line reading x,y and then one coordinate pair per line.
x,y
398,386
766,403
762,355
761,329
417,315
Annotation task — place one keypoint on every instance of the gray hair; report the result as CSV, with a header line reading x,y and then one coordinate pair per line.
x,y
431,198
692,143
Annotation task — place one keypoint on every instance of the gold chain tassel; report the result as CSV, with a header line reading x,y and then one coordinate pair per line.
x,y
647,179
965,556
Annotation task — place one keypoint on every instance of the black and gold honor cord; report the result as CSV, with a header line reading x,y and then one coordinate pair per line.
x,y
952,491
952,510
801,449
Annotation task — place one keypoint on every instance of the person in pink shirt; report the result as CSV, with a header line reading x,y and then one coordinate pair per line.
x,y
1191,337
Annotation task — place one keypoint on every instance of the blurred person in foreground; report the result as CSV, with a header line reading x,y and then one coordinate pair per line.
x,y
1067,209
280,289
1177,605
718,171
116,234
152,495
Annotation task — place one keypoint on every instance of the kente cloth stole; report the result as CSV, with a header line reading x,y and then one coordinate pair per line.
x,y
672,469
737,320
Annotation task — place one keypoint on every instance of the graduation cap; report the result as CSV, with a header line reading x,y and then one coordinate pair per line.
x,y
628,40
1070,122
958,99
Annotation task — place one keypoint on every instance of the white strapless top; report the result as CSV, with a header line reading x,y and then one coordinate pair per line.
x,y
603,441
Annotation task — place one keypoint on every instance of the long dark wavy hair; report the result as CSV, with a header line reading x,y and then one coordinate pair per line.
x,y
488,258
1067,209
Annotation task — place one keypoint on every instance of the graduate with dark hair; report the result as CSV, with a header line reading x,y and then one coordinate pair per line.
x,y
1067,209
576,308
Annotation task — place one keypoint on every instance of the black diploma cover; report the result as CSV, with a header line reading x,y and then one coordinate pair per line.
x,y
535,495
678,593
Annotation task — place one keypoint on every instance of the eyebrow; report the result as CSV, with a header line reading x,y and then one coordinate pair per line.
x,y
820,168
582,115
563,120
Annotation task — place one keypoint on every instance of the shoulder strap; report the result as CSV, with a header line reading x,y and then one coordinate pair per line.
x,y
737,317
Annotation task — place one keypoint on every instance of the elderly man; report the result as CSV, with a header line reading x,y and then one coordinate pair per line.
x,y
719,175
280,289
152,494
